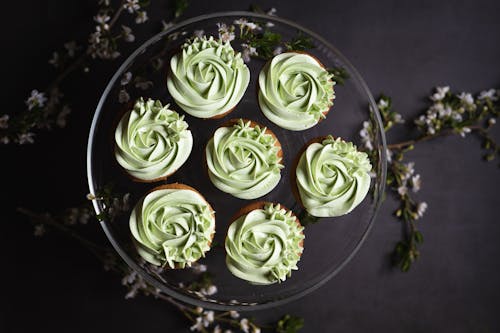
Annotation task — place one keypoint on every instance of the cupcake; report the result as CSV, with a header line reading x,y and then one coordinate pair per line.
x,y
264,243
172,226
295,91
331,177
243,159
152,141
207,78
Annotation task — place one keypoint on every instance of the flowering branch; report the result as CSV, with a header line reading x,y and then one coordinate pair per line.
x,y
45,109
69,222
449,114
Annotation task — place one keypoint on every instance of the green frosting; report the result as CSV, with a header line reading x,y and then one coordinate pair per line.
x,y
264,246
207,78
295,91
332,177
243,160
152,141
172,226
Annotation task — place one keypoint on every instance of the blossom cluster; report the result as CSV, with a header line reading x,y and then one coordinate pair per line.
x,y
453,111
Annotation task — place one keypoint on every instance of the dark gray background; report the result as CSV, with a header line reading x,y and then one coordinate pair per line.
x,y
402,48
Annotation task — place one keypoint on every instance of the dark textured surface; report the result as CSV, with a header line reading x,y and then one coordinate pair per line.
x,y
401,48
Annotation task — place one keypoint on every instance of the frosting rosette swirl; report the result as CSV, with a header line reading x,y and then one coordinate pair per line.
x,y
332,177
152,141
295,91
244,160
207,78
172,226
264,245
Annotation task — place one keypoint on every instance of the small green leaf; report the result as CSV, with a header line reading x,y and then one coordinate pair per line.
x,y
419,238
265,43
489,157
256,9
300,42
305,218
400,248
340,74
180,7
289,324
405,264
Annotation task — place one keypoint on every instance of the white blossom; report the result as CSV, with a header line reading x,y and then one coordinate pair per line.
x,y
85,216
445,111
488,94
269,24
198,268
247,52
134,282
234,314
225,34
217,329
198,309
36,99
166,25
365,136
440,93
61,119
409,170
39,230
141,17
54,61
4,121
198,325
119,205
402,190
72,216
131,5
466,98
492,121
143,84
416,183
272,12
421,208
4,140
463,131
383,103
123,96
199,33
255,329
25,138
456,116
208,318
277,50
127,34
389,155
398,119
209,291
71,47
242,22
126,78
244,325
102,20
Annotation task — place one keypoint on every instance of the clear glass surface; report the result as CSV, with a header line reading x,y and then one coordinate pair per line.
x,y
329,244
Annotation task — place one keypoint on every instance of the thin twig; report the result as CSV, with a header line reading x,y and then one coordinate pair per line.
x,y
404,144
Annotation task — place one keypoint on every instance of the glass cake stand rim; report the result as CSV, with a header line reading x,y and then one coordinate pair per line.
x,y
173,293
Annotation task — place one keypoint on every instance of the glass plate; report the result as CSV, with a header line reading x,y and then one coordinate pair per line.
x,y
329,244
